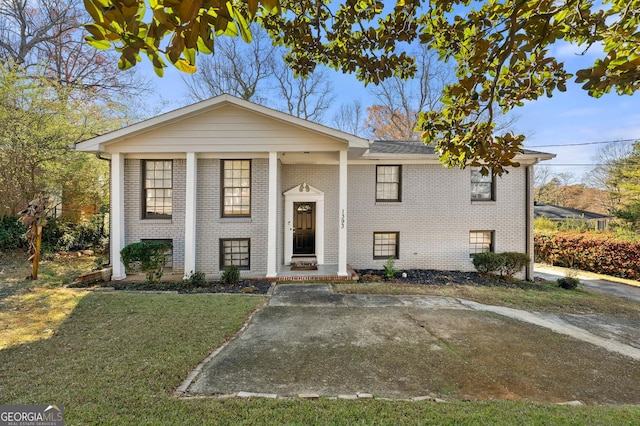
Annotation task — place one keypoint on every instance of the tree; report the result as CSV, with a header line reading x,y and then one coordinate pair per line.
x,y
626,175
349,118
45,39
37,127
501,51
237,68
606,175
401,100
305,97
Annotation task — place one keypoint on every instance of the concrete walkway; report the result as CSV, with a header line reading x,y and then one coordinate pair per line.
x,y
613,286
308,340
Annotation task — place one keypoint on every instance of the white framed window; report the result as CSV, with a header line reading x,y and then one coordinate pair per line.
x,y
388,183
482,187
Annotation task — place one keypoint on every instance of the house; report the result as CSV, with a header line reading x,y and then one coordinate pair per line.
x,y
596,221
231,182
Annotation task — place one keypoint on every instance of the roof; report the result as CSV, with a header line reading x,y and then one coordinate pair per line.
x,y
384,147
562,213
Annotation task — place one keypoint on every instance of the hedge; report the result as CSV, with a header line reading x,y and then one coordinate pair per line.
x,y
589,251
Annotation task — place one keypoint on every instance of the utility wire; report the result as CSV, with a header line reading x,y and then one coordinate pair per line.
x,y
583,143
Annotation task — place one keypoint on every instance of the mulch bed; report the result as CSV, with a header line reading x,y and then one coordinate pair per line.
x,y
244,286
439,278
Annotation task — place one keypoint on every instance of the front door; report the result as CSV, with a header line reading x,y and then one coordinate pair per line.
x,y
304,228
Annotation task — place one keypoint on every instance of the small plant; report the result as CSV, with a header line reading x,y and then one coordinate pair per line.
x,y
196,279
570,281
488,262
98,263
513,263
146,256
389,268
230,275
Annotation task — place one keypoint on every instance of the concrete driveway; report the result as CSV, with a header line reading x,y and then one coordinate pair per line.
x,y
310,341
613,286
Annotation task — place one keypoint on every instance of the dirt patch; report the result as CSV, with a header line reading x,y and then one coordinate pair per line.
x,y
441,278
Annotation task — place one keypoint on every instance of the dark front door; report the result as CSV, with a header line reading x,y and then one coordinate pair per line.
x,y
304,228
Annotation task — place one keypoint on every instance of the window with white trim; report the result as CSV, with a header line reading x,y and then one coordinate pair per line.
x,y
482,187
388,183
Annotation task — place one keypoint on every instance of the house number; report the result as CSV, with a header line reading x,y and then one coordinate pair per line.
x,y
342,219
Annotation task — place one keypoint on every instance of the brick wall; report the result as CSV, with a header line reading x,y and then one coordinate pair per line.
x,y
434,217
137,229
211,226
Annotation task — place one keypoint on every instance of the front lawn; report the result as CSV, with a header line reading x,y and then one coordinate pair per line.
x,y
117,357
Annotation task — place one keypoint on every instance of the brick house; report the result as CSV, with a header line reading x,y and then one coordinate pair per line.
x,y
231,182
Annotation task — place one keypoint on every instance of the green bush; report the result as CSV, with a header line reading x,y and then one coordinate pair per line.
x,y
230,275
542,223
568,283
12,234
488,262
196,279
146,256
597,252
514,262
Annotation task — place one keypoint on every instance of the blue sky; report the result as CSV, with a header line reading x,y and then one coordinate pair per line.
x,y
571,117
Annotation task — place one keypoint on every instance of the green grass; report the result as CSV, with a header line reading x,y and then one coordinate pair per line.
x,y
118,356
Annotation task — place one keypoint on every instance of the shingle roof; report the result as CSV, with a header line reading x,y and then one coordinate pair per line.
x,y
412,147
561,213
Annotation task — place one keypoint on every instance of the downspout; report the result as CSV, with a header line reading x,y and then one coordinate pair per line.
x,y
529,219
527,212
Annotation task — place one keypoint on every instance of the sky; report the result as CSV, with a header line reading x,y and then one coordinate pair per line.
x,y
570,124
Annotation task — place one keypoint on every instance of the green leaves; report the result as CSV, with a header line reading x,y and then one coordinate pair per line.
x,y
500,49
190,25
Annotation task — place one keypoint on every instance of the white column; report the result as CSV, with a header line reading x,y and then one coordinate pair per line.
x,y
117,238
272,220
190,215
342,225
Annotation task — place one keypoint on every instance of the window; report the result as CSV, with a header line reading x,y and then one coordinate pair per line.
x,y
168,255
236,187
235,251
388,183
480,242
481,186
385,245
158,183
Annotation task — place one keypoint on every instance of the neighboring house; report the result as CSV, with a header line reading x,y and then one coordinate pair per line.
x,y
563,214
231,182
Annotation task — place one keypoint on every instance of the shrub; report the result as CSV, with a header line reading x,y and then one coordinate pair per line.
x,y
488,262
513,263
568,283
601,253
230,275
146,256
389,268
196,279
542,223
12,234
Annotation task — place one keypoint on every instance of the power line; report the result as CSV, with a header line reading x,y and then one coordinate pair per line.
x,y
583,143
